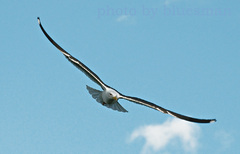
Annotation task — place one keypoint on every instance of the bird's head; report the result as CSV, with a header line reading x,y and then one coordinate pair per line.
x,y
111,94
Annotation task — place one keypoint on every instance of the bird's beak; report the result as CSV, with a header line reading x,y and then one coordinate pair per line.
x,y
115,98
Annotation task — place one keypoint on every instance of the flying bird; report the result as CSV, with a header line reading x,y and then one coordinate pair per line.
x,y
109,96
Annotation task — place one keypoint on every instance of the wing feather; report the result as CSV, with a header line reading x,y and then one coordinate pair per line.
x,y
156,107
89,73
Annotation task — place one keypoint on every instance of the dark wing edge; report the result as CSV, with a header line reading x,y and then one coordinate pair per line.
x,y
73,60
158,108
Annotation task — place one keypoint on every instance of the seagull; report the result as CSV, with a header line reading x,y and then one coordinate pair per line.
x,y
109,97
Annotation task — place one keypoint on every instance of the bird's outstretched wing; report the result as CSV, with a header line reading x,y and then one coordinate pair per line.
x,y
74,61
156,107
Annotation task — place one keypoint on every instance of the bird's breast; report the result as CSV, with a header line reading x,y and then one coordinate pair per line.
x,y
106,99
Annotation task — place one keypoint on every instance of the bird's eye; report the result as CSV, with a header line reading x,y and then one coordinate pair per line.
x,y
110,94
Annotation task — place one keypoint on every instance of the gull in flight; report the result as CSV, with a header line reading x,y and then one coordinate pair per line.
x,y
108,96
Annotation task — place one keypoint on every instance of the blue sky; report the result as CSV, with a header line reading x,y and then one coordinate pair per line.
x,y
181,55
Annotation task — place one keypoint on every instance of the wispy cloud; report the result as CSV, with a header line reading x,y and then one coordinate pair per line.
x,y
169,2
128,19
177,2
158,137
225,139
123,18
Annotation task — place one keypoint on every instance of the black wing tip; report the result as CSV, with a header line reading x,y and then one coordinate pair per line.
x,y
205,121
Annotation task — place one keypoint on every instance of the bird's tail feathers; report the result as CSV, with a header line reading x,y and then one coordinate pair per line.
x,y
116,106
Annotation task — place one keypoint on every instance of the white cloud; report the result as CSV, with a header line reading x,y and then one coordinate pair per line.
x,y
158,137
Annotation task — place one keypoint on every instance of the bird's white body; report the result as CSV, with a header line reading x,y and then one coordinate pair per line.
x,y
108,97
